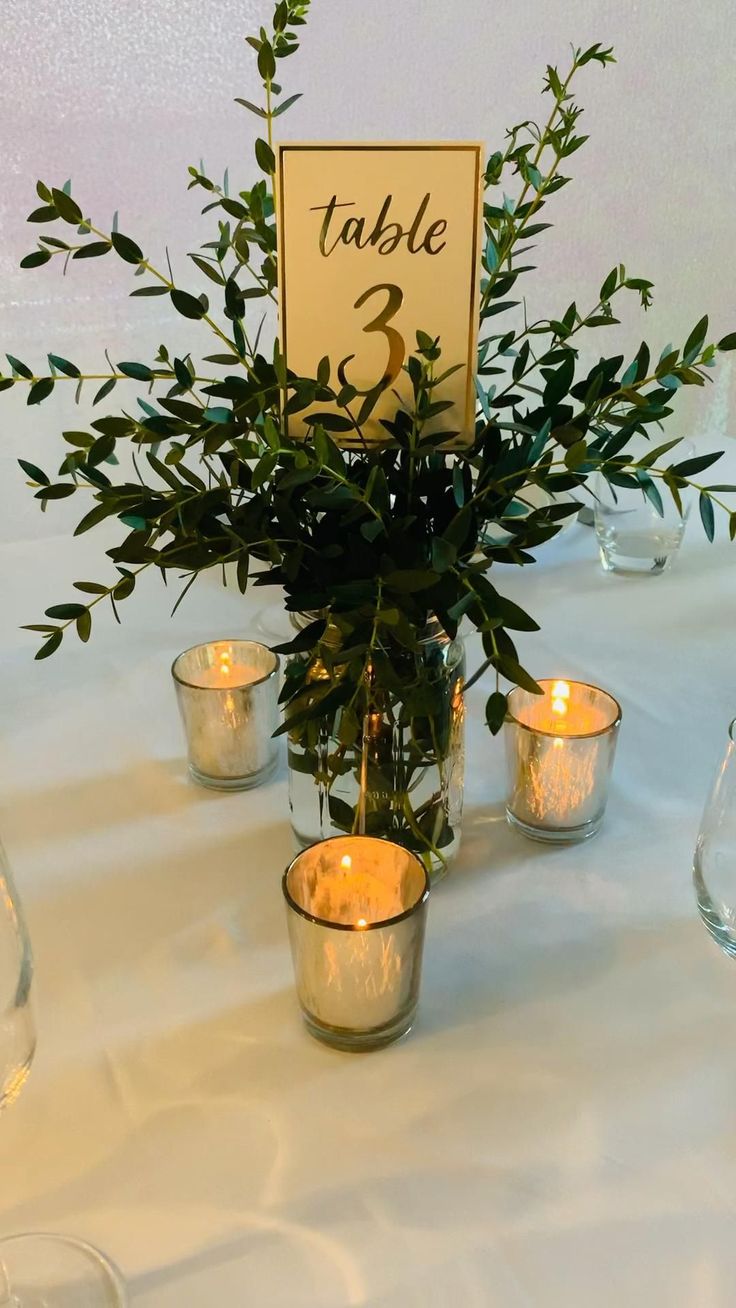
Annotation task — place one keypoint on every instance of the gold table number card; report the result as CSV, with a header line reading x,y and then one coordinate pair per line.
x,y
377,242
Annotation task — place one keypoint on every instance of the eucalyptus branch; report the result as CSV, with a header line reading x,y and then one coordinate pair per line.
x,y
376,536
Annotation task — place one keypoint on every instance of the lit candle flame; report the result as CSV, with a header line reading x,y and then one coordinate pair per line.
x,y
346,862
560,696
362,922
225,668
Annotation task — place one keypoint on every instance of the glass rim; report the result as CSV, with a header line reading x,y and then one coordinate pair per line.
x,y
225,640
352,926
569,735
732,730
94,1255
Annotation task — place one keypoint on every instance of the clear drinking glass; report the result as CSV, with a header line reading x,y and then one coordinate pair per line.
x,y
633,537
714,865
37,1271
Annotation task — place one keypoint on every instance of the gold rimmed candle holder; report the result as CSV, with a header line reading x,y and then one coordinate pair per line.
x,y
228,699
356,910
560,748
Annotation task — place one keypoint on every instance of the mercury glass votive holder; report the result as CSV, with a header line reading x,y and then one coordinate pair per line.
x,y
356,909
560,748
228,700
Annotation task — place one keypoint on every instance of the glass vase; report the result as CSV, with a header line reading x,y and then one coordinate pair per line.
x,y
398,772
714,865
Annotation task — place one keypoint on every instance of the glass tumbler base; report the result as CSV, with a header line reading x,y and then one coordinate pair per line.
x,y
555,835
359,1042
54,1271
627,565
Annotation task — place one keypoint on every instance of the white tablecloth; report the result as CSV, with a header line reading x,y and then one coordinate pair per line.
x,y
559,1127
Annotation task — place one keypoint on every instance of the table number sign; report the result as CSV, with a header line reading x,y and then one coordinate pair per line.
x,y
377,242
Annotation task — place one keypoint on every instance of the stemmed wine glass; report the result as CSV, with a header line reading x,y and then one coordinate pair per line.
x,y
37,1270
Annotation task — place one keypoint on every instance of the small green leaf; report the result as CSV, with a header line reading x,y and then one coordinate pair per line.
x,y
92,250
46,214
125,587
609,285
515,617
151,290
694,342
187,304
576,455
84,625
50,644
66,207
728,342
496,705
40,390
98,514
208,270
139,371
707,516
18,366
265,156
653,495
341,814
60,491
126,248
35,473
691,467
254,109
67,612
242,573
513,671
104,390
266,61
102,448
63,365
35,259
286,104
330,421
90,587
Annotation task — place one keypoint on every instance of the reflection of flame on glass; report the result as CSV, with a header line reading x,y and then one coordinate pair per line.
x,y
560,696
346,862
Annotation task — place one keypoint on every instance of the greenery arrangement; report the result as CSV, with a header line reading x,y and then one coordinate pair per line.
x,y
374,542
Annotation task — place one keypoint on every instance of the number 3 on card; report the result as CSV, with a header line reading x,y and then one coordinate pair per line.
x,y
395,341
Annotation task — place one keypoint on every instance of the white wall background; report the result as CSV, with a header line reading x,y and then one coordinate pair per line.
x,y
122,96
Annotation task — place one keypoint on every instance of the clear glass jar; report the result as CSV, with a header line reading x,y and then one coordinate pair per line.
x,y
397,772
714,865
